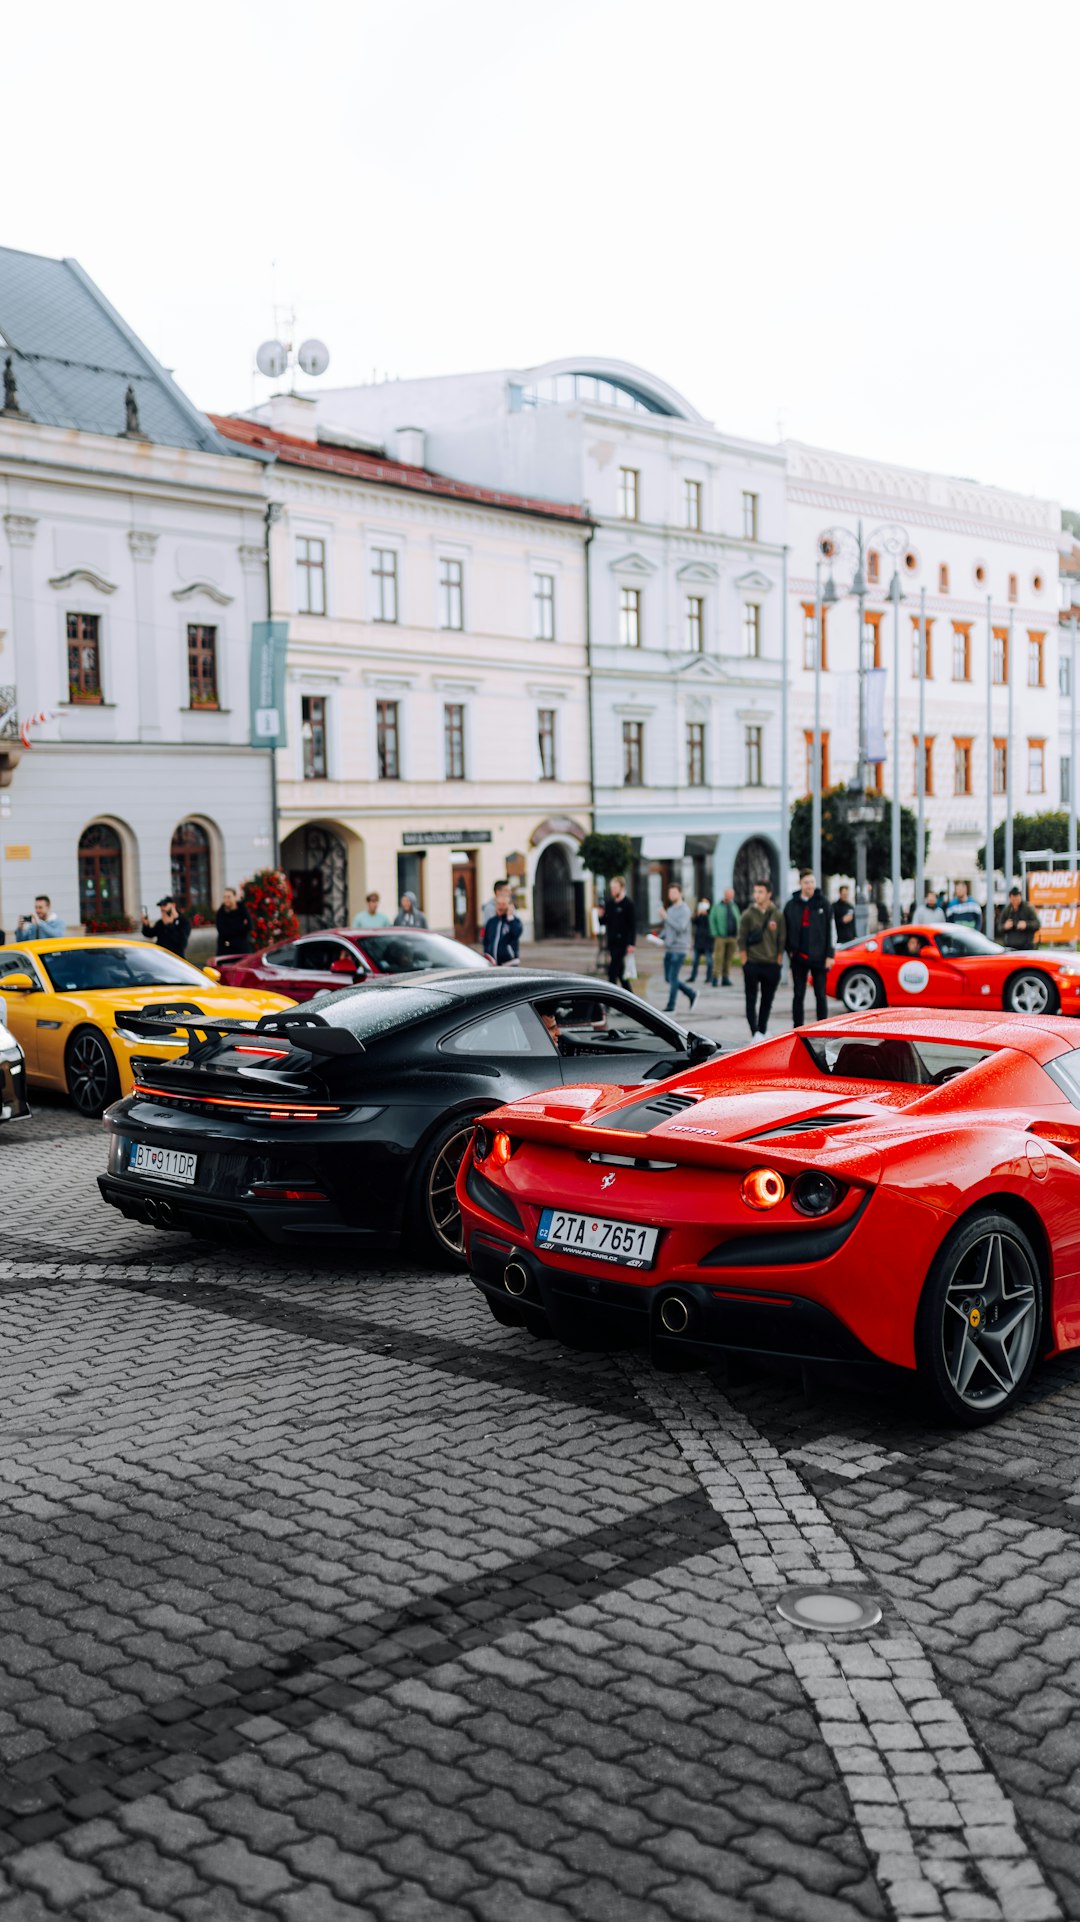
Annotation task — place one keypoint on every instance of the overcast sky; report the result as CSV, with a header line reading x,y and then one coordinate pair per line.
x,y
848,223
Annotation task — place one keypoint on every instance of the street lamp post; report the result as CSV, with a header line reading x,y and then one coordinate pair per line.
x,y
896,596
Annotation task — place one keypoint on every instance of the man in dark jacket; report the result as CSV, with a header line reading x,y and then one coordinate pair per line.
x,y
761,944
503,930
619,922
809,944
233,923
171,929
1017,924
844,916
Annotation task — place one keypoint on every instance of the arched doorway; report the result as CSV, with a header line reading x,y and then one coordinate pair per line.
x,y
101,874
318,868
189,859
553,895
754,862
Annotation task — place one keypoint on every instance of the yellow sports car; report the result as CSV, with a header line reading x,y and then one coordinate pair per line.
x,y
63,997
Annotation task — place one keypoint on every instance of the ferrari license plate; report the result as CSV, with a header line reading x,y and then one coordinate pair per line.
x,y
163,1164
596,1239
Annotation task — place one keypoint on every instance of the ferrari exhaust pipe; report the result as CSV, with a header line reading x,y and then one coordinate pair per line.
x,y
675,1315
515,1278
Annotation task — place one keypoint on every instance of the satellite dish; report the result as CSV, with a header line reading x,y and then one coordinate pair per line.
x,y
272,359
314,358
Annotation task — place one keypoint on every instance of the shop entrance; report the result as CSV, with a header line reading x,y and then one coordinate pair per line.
x,y
463,894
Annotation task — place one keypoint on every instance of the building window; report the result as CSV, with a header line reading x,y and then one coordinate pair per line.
x,y
943,578
695,623
384,580
961,765
1064,673
543,607
454,740
313,735
387,740
961,651
202,666
751,627
1036,663
695,754
451,594
753,756
692,503
873,566
1065,765
189,859
810,636
1001,765
630,616
749,516
1013,587
633,753
872,638
310,575
808,736
101,873
1000,667
1036,767
629,484
545,733
84,657
928,650
928,763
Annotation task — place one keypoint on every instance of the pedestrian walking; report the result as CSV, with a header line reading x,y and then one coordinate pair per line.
x,y
1018,923
962,909
843,914
371,915
701,934
503,930
761,944
233,923
724,928
171,929
808,938
409,915
618,918
42,925
675,938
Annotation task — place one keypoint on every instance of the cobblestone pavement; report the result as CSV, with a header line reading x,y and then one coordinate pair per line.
x,y
324,1596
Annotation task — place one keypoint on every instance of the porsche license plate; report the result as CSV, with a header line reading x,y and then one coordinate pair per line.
x,y
163,1164
597,1239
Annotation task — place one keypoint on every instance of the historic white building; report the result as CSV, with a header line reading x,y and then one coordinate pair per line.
x,y
132,566
685,579
988,560
436,680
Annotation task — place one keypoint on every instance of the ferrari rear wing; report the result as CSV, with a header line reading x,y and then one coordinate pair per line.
x,y
307,1031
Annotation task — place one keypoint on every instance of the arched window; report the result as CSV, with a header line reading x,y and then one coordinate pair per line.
x,y
101,873
190,856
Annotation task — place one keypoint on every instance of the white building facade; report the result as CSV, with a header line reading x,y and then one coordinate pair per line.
x,y
986,558
436,683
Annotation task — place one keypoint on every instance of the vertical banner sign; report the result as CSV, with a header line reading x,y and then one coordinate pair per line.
x,y
1055,892
875,714
269,640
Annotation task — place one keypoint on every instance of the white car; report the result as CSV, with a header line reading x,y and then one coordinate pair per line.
x,y
13,1103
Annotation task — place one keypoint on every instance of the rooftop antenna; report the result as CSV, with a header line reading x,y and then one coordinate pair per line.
x,y
275,357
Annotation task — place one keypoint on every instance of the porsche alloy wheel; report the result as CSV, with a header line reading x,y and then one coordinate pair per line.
x,y
439,1187
1031,993
979,1319
92,1078
860,989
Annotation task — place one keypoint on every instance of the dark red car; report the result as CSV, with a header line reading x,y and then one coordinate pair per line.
x,y
344,958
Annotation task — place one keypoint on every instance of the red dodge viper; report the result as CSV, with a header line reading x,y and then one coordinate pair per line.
x,y
884,1188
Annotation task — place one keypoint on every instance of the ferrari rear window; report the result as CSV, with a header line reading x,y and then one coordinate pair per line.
x,y
926,1064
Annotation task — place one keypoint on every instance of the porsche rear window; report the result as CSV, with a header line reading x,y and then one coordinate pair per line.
x,y
926,1064
376,1010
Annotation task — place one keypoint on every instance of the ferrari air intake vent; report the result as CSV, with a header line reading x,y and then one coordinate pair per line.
x,y
645,1115
807,1124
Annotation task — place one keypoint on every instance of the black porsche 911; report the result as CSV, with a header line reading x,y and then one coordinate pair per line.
x,y
346,1118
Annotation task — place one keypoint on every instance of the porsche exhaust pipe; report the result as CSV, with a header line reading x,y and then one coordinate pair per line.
x,y
165,1213
150,1209
515,1278
675,1315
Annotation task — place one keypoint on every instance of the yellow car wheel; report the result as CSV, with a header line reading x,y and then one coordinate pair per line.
x,y
93,1079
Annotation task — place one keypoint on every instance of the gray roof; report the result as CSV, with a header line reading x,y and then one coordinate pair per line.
x,y
73,358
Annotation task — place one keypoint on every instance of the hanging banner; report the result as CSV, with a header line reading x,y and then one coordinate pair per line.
x,y
844,736
875,714
269,641
1055,893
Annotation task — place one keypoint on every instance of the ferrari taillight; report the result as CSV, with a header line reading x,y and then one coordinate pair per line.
x,y
763,1188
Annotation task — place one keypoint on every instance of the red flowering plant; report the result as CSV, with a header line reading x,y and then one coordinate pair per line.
x,y
268,899
108,924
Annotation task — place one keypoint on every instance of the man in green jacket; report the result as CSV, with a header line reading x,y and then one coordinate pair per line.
x,y
724,928
761,939
1017,923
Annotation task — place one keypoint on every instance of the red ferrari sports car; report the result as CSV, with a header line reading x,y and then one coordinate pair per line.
x,y
344,958
875,1189
936,966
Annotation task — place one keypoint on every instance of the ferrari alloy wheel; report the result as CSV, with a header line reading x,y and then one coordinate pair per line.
x,y
92,1078
438,1189
861,989
979,1318
1030,992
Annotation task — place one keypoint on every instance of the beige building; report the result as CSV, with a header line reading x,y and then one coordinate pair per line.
x,y
436,685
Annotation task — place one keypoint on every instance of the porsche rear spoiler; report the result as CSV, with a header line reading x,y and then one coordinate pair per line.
x,y
307,1031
